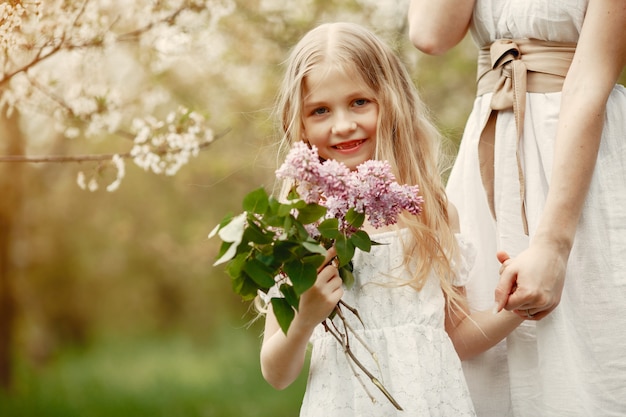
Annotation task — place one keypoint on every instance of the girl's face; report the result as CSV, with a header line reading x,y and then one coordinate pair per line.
x,y
340,116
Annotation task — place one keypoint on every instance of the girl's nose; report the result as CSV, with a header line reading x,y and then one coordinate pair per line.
x,y
343,127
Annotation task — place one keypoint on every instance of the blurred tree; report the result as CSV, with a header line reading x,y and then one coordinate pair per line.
x,y
92,70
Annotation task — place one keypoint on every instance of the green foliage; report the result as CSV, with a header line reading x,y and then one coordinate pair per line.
x,y
273,244
165,376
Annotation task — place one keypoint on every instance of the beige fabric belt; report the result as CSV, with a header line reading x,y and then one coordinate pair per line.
x,y
509,69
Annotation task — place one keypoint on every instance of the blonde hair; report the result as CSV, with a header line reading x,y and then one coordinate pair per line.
x,y
406,137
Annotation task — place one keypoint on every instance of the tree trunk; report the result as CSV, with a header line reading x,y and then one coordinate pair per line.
x,y
10,206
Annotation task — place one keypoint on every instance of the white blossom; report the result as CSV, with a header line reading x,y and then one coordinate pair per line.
x,y
118,162
80,180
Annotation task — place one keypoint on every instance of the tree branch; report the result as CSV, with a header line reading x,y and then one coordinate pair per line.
x,y
87,157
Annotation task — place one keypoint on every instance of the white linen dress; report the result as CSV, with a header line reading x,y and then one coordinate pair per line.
x,y
405,328
573,362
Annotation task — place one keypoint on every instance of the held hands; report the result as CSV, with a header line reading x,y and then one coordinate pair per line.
x,y
319,301
531,284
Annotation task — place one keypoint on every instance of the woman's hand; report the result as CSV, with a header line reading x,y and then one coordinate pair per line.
x,y
531,283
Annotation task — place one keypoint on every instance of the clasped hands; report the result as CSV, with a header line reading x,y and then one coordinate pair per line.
x,y
531,283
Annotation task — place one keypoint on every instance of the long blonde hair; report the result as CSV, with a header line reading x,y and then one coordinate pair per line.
x,y
406,137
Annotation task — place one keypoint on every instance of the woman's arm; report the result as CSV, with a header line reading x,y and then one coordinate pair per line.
x,y
435,26
282,355
539,271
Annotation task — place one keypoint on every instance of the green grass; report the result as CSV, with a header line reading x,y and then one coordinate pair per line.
x,y
168,377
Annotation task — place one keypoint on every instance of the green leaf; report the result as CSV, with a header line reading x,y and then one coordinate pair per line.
x,y
314,248
260,273
256,201
329,228
290,295
302,275
293,194
310,213
345,249
345,272
253,233
284,210
235,266
245,287
284,313
361,240
315,260
355,218
303,235
283,250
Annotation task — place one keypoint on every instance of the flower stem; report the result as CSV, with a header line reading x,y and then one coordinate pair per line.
x,y
343,341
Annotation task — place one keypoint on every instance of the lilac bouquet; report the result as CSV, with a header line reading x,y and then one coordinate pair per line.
x,y
282,244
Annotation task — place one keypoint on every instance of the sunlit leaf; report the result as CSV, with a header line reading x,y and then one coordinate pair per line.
x,y
231,250
355,218
256,201
284,209
231,232
314,248
310,213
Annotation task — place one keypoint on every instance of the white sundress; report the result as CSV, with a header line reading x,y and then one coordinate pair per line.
x,y
573,362
405,328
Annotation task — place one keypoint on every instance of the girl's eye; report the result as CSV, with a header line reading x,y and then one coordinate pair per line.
x,y
320,110
360,102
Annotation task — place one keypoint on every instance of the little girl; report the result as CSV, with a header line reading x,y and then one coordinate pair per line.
x,y
346,93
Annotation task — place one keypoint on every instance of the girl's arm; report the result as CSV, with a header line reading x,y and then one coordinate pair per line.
x,y
539,271
475,332
282,355
435,26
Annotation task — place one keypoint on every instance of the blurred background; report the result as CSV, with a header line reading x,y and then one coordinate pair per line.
x,y
109,302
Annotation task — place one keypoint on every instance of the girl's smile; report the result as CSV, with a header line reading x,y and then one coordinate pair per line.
x,y
348,147
340,116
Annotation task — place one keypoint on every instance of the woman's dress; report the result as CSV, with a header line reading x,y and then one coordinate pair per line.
x,y
405,329
573,362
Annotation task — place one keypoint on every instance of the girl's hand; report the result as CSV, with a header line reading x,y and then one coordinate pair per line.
x,y
320,300
531,284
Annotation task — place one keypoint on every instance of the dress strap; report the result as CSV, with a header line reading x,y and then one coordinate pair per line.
x,y
509,68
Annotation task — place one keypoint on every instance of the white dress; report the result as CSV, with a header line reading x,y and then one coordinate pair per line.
x,y
573,362
405,328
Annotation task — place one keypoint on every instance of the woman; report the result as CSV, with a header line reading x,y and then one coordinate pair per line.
x,y
540,174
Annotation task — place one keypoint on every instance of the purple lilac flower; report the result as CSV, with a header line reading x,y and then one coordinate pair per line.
x,y
302,164
371,189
